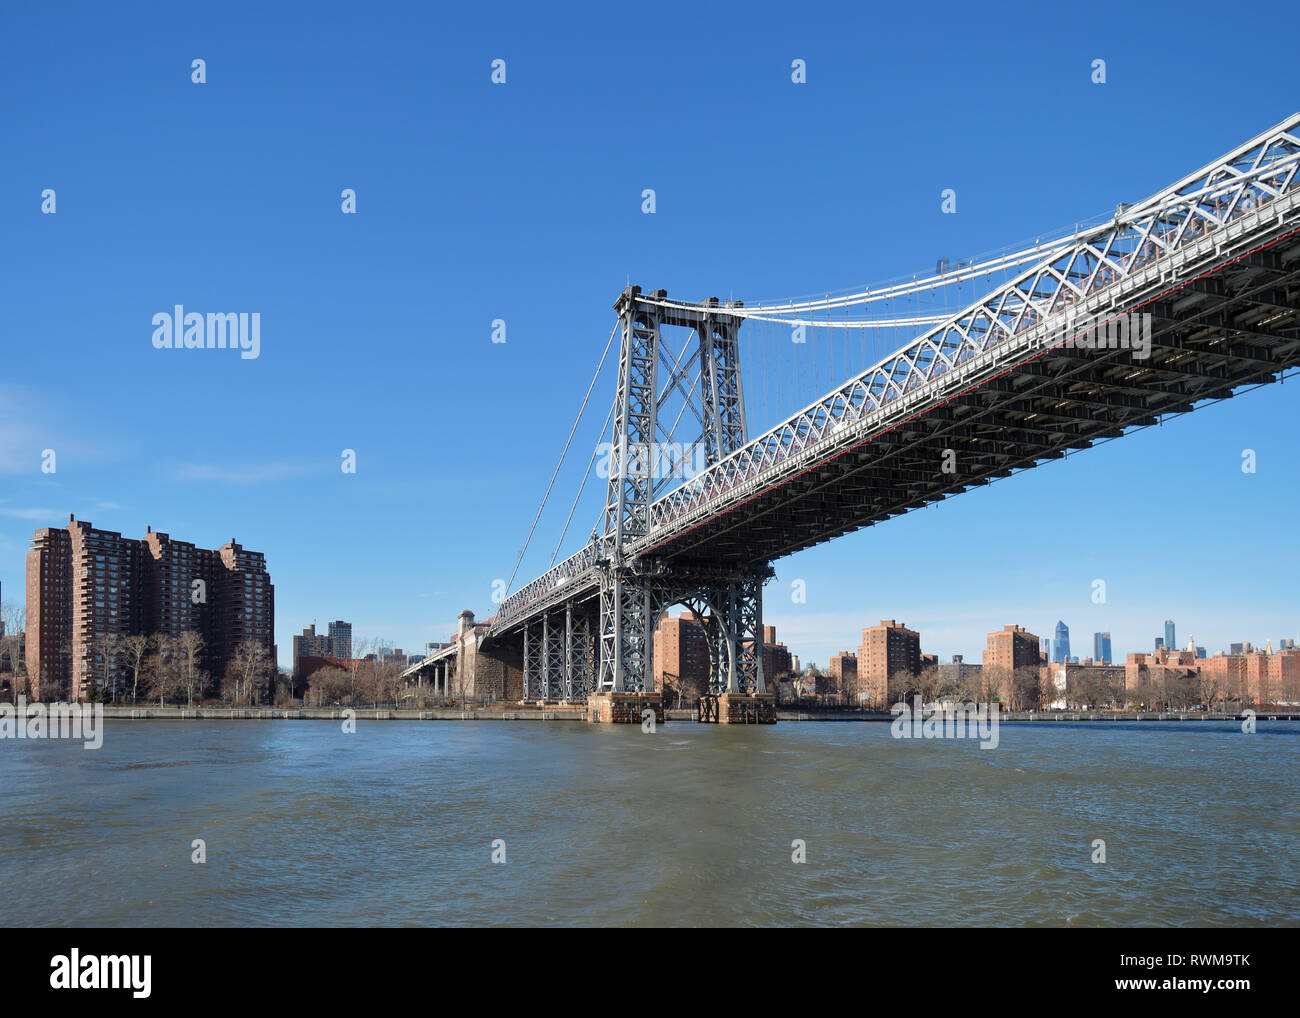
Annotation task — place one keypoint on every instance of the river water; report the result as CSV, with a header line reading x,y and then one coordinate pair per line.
x,y
690,825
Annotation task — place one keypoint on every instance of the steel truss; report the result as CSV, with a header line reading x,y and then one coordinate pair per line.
x,y
1252,189
558,656
729,604
1219,214
633,595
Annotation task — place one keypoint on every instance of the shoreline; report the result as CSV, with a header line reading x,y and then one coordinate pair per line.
x,y
560,712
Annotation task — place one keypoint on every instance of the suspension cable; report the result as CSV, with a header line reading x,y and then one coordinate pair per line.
x,y
590,463
556,473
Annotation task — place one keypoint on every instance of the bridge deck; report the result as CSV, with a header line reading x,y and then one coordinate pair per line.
x,y
1214,261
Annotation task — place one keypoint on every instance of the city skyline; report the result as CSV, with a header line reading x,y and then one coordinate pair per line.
x,y
698,466
225,444
1258,633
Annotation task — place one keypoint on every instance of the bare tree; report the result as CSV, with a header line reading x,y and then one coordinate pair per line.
x,y
284,687
390,679
13,614
673,687
1025,687
901,688
247,672
164,674
329,686
927,684
1290,687
990,683
360,648
193,679
850,685
13,622
108,646
136,648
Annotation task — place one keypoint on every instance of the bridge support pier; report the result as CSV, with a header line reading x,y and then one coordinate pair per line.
x,y
557,656
737,709
625,708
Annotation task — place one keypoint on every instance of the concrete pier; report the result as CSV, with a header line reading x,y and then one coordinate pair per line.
x,y
625,708
737,709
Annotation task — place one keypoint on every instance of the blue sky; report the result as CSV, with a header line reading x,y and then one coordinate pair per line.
x,y
522,202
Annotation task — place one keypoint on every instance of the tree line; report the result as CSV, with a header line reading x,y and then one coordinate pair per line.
x,y
163,668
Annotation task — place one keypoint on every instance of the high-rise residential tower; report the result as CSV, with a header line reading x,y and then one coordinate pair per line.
x,y
89,589
341,639
885,650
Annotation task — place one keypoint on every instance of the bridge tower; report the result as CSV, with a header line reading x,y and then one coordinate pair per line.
x,y
636,586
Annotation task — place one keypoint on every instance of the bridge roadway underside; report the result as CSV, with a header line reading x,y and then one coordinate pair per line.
x,y
1235,327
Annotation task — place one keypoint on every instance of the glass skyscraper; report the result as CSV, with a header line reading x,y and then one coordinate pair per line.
x,y
1170,641
1061,648
1101,647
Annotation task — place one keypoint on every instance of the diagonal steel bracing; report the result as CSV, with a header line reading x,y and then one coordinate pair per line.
x,y
1214,260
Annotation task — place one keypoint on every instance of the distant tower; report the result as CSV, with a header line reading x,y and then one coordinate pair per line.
x,y
341,638
1170,642
1101,648
1061,650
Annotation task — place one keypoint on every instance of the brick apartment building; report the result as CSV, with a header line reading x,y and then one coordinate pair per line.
x,y
312,644
681,653
1006,652
336,644
778,665
86,586
681,656
1090,683
1159,670
959,671
841,675
885,650
1010,648
1251,676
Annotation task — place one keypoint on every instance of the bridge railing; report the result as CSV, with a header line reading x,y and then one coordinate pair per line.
x,y
1105,257
1205,204
558,576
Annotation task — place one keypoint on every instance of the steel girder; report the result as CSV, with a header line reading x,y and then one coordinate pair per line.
x,y
627,619
1219,213
1226,204
578,655
533,689
720,387
729,604
731,611
555,676
558,656
629,598
631,481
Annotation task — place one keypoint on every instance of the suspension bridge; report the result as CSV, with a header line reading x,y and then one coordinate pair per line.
x,y
1181,299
